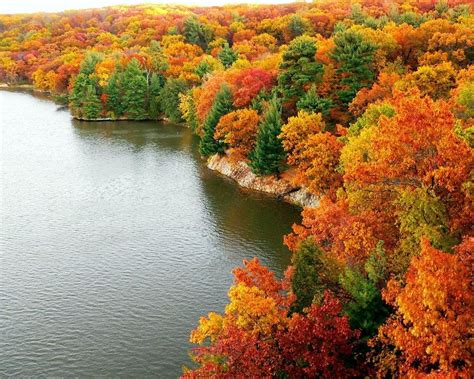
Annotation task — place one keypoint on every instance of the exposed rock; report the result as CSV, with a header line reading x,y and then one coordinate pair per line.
x,y
281,188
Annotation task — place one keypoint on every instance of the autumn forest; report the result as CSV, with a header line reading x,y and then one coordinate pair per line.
x,y
366,104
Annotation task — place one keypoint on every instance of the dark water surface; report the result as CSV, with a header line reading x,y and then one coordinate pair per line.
x,y
115,238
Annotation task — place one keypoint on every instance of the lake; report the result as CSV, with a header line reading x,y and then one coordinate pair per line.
x,y
115,238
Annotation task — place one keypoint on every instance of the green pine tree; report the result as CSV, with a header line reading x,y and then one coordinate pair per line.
x,y
197,33
91,104
311,102
156,84
134,91
269,155
227,56
299,67
169,98
222,105
354,56
366,309
115,94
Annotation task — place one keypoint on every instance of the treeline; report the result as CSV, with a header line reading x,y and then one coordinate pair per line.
x,y
368,104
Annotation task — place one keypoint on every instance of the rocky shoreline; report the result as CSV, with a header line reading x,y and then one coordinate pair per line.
x,y
280,188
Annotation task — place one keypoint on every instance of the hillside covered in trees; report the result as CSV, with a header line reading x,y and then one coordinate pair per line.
x,y
369,104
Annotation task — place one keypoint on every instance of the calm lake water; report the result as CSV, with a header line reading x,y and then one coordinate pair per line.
x,y
115,239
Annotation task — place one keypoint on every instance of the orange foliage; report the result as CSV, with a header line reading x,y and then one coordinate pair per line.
x,y
238,130
431,328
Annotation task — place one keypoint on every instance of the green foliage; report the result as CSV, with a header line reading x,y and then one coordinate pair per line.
x,y
159,62
134,91
192,119
269,155
91,104
85,86
297,26
313,273
371,117
354,56
89,63
169,98
156,84
466,133
422,214
312,103
299,67
222,105
114,94
227,56
197,33
366,309
466,99
203,68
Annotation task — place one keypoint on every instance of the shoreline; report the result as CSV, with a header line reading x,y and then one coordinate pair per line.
x,y
238,171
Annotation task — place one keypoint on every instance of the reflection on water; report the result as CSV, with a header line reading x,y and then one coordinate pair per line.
x,y
115,238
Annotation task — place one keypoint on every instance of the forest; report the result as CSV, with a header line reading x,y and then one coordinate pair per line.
x,y
368,104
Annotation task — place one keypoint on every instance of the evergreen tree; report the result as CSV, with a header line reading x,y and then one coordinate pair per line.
x,y
299,67
78,93
159,62
156,84
366,309
91,104
222,105
313,273
197,33
312,103
268,156
89,63
85,80
169,98
297,26
115,94
134,91
227,56
355,57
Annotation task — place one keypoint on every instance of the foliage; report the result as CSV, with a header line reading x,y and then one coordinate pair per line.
x,y
238,130
222,105
227,56
135,89
354,56
299,67
430,329
268,155
169,98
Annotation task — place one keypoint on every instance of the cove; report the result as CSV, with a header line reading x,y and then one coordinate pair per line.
x,y
115,239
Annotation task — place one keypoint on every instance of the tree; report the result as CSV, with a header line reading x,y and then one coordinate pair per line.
x,y
318,343
256,335
91,103
169,98
313,272
187,108
299,68
312,102
115,94
156,84
249,83
222,105
268,155
416,148
238,130
366,309
227,56
197,33
431,328
134,91
354,56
